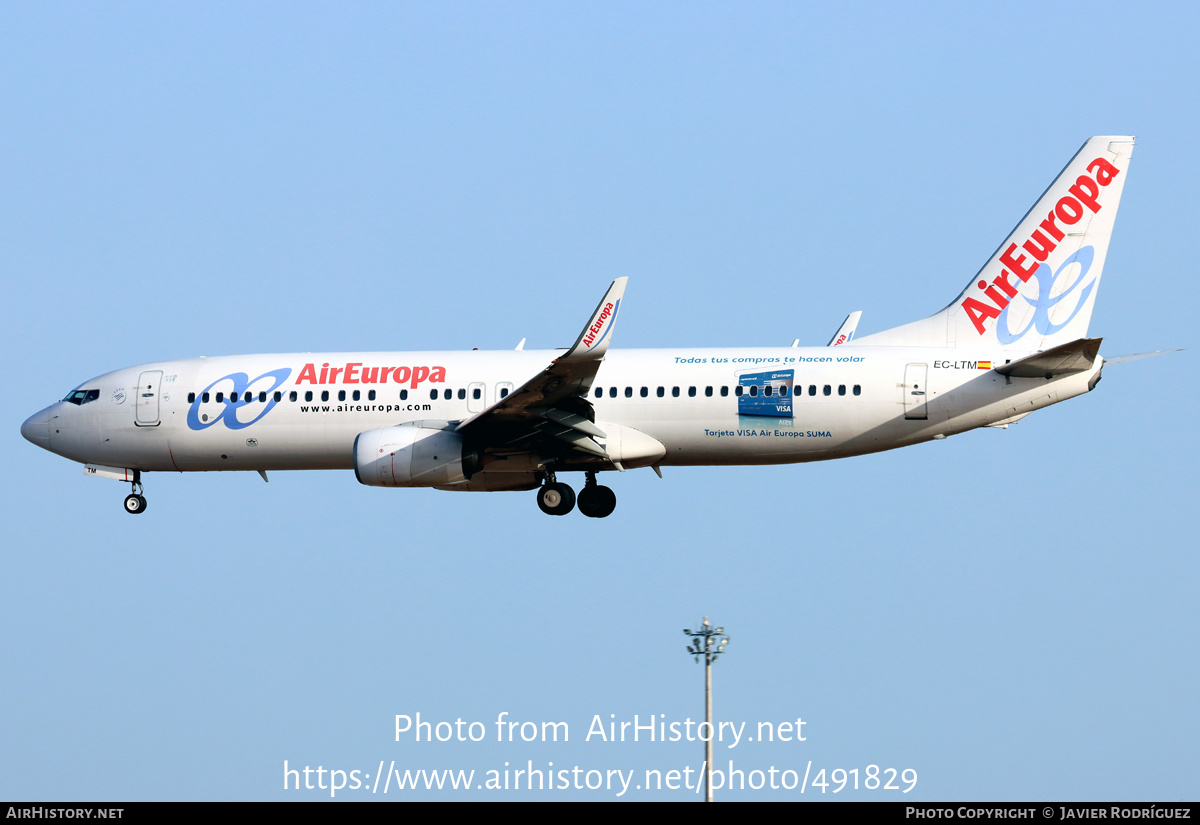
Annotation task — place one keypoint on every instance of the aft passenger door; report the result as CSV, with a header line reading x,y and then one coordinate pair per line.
x,y
915,391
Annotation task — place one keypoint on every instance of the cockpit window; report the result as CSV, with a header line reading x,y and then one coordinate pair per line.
x,y
82,396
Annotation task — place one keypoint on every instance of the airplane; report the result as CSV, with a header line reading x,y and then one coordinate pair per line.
x,y
1013,341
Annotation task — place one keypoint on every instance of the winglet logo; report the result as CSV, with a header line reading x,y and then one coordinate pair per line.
x,y
994,299
239,397
601,327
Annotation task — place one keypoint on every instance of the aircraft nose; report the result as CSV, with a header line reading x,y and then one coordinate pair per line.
x,y
36,429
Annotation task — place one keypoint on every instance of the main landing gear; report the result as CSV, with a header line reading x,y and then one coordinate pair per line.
x,y
558,499
135,502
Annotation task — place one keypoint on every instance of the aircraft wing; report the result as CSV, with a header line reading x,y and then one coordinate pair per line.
x,y
551,409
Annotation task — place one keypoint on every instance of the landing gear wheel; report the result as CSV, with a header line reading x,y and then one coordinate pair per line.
x,y
135,504
556,499
596,501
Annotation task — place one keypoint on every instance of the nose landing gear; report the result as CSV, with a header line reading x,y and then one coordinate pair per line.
x,y
135,502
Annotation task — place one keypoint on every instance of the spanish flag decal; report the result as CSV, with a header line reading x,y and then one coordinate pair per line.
x,y
985,365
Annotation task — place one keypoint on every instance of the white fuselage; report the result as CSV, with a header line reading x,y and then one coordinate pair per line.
x,y
705,406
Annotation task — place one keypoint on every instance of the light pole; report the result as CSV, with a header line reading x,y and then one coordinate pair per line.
x,y
702,645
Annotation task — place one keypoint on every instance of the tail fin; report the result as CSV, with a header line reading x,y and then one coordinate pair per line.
x,y
1037,290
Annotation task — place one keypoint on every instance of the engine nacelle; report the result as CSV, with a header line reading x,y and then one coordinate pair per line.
x,y
417,454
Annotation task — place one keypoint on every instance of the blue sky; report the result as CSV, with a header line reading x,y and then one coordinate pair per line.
x,y
1011,614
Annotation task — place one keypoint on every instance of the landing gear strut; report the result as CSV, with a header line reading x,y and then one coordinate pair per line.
x,y
596,500
135,502
555,498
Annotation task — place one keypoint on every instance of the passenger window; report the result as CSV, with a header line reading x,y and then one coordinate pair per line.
x,y
841,389
858,389
767,389
341,395
324,395
220,397
645,392
504,392
828,390
599,392
204,398
783,392
724,391
477,393
191,397
403,395
691,392
754,392
262,397
292,396
674,392
278,396
612,392
629,392
433,395
308,396
708,392
370,395
738,390
462,395
356,395
661,391
812,389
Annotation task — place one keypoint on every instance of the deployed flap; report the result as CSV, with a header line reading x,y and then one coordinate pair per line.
x,y
1075,356
846,331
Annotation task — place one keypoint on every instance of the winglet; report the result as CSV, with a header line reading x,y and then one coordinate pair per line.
x,y
593,341
846,330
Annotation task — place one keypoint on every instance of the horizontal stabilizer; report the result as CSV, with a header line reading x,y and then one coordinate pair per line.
x,y
1074,356
1125,359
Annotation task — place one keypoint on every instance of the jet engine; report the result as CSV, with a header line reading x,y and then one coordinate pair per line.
x,y
416,454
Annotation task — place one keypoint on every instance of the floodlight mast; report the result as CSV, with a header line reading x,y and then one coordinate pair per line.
x,y
702,645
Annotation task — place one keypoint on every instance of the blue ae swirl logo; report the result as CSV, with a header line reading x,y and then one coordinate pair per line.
x,y
241,389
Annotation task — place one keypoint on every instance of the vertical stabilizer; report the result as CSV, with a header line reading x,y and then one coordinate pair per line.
x,y
1037,290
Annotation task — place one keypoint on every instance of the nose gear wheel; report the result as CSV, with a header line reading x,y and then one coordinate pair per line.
x,y
135,502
